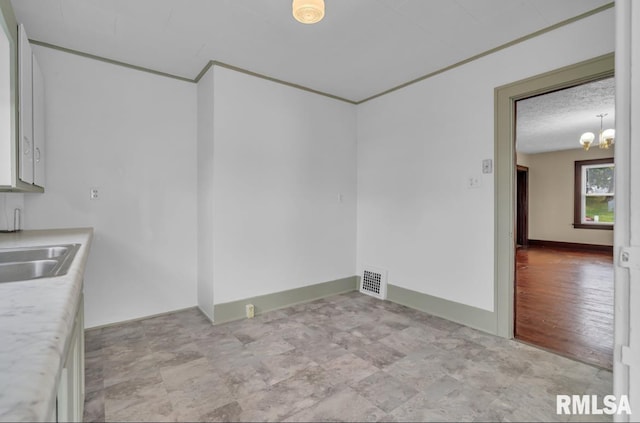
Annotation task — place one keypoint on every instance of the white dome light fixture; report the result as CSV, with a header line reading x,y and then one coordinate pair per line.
x,y
308,11
605,140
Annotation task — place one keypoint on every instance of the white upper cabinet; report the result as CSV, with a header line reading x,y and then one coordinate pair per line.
x,y
7,110
31,133
25,97
38,125
22,131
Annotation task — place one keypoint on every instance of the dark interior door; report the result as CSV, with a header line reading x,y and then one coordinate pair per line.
x,y
522,206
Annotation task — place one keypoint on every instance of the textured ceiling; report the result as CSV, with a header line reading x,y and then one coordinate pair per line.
x,y
555,121
361,48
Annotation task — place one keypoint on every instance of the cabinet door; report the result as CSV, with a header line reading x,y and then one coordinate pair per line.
x,y
68,389
65,395
70,400
25,97
38,124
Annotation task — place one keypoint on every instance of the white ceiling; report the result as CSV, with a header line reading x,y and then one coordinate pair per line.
x,y
361,48
555,121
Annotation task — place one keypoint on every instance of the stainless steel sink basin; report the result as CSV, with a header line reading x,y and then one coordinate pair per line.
x,y
20,264
33,253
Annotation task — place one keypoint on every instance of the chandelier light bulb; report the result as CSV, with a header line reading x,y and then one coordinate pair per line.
x,y
586,139
607,138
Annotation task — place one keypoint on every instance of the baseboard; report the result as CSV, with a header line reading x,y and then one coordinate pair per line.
x,y
572,246
460,313
137,319
235,310
456,312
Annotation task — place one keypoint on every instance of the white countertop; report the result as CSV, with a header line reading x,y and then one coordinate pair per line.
x,y
36,318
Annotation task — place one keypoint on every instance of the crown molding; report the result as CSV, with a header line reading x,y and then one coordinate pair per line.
x,y
211,63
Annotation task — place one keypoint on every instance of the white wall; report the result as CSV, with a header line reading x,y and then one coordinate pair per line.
x,y
551,192
205,193
9,201
282,158
282,181
132,135
418,146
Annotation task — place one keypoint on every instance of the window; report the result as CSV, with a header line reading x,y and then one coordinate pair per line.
x,y
594,198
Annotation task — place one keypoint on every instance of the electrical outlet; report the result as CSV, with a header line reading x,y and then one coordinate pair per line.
x,y
474,182
250,311
93,194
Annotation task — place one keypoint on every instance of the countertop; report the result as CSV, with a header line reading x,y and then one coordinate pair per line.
x,y
36,317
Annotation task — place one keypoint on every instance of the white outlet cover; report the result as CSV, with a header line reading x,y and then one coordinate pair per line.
x,y
474,182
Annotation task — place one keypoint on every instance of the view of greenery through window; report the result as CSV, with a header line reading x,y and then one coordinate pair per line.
x,y
599,194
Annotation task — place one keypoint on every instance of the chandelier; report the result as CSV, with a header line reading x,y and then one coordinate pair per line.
x,y
606,138
308,11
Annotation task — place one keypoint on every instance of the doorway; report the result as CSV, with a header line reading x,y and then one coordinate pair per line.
x,y
563,271
505,171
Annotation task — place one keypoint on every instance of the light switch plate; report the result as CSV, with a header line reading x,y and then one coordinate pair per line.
x,y
487,166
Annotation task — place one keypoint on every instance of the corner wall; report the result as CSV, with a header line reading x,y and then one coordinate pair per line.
x,y
205,193
132,135
417,149
277,180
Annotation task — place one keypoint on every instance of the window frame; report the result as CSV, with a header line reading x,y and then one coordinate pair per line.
x,y
577,194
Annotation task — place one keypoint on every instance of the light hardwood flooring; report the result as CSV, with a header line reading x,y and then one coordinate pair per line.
x,y
345,358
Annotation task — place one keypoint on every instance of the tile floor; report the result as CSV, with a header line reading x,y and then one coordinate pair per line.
x,y
345,358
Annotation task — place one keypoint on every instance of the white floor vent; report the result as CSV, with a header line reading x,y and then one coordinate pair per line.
x,y
374,282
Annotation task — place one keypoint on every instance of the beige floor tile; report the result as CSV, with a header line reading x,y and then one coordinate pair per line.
x,y
348,368
384,391
349,357
343,406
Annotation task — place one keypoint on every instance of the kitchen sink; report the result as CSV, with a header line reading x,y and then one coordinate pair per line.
x,y
20,264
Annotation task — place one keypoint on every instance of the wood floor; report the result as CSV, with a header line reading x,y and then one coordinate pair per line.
x,y
564,302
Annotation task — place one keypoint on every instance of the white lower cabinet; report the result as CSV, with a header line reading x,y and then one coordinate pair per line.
x,y
70,400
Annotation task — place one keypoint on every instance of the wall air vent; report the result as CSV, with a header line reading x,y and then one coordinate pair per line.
x,y
374,282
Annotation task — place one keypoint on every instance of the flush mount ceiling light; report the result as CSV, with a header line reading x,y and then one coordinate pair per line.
x,y
308,11
605,140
